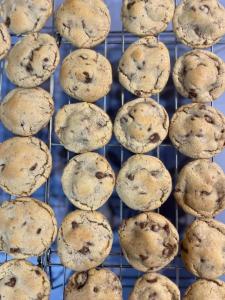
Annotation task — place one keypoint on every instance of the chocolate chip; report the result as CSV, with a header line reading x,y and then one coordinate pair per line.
x,y
129,5
167,229
201,107
130,177
38,231
138,93
29,68
46,59
85,250
100,175
33,167
168,250
88,79
152,280
24,223
192,94
204,193
84,57
154,138
96,290
14,250
209,119
143,224
2,167
7,22
11,282
152,296
143,257
193,8
38,272
74,224
81,280
155,173
123,120
155,227
205,8
202,260
90,244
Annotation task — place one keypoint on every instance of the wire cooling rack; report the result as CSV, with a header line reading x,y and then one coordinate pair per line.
x,y
114,209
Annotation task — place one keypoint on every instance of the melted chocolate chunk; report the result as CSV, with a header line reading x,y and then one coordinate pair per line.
x,y
143,257
7,22
29,68
209,119
100,175
96,290
154,138
129,5
74,224
88,79
155,227
39,231
11,282
130,177
81,280
168,250
85,250
38,272
32,168
14,250
192,94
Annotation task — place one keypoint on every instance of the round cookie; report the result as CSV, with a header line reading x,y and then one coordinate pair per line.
x,y
199,24
25,164
84,240
88,181
23,16
94,284
148,17
27,227
86,75
83,127
145,67
141,125
32,60
154,286
5,41
20,279
200,188
197,130
85,23
200,76
26,111
149,241
205,289
202,248
143,183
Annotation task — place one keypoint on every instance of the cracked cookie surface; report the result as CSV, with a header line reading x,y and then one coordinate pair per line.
x,y
27,227
85,23
88,181
20,279
83,127
199,23
200,188
197,130
32,60
26,111
149,241
24,16
202,248
154,286
25,164
84,240
143,183
86,75
96,284
200,76
141,125
144,67
147,17
5,41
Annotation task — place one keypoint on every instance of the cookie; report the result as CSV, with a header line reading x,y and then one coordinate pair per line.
x,y
200,188
202,248
143,183
141,125
197,130
96,284
27,227
20,279
147,17
86,75
205,289
84,240
83,22
32,60
145,67
22,16
149,241
26,111
154,286
199,24
83,127
25,164
200,76
88,181
5,41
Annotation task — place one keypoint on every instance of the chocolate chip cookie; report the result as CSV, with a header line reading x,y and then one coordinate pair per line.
x,y
20,279
200,76
32,60
202,249
25,164
205,289
23,16
26,111
84,240
141,125
197,130
148,17
94,284
86,75
154,286
5,41
149,241
144,67
83,127
85,23
199,24
143,183
88,181
27,227
200,188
